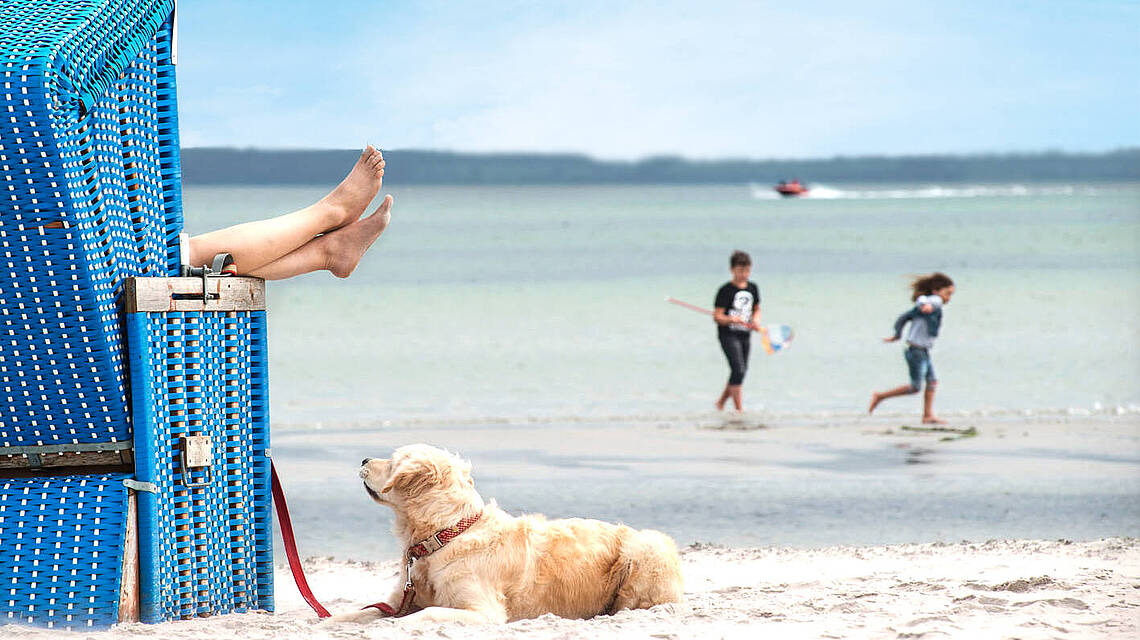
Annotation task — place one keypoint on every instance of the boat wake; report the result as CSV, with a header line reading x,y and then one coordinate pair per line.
x,y
824,192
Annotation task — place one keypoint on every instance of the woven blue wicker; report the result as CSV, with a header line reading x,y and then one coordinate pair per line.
x,y
89,195
203,549
63,548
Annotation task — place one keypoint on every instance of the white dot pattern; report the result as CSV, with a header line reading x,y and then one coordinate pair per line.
x,y
63,548
90,193
89,185
215,541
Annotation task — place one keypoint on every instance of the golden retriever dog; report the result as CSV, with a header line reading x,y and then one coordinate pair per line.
x,y
493,567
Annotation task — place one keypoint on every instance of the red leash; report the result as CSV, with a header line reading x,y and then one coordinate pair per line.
x,y
291,546
423,548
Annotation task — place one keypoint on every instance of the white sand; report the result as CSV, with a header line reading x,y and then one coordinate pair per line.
x,y
997,589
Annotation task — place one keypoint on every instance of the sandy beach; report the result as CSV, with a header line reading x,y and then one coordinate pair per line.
x,y
764,497
997,589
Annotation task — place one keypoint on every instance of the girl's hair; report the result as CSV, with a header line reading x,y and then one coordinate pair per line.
x,y
926,285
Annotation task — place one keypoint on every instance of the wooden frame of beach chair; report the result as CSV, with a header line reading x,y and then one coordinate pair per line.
x,y
134,469
205,536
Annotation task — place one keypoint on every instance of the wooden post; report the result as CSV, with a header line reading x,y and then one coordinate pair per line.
x,y
129,585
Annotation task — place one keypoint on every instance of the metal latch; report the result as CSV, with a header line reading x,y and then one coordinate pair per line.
x,y
137,485
197,453
223,266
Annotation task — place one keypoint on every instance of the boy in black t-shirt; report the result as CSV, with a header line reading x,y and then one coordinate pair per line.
x,y
737,313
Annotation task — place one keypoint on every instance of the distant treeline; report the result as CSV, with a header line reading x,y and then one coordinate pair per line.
x,y
252,166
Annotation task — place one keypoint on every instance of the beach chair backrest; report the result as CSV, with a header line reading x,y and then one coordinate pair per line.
x,y
89,195
134,439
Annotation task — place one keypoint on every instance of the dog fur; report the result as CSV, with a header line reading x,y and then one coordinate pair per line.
x,y
505,568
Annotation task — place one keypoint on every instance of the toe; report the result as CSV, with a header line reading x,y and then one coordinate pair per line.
x,y
383,212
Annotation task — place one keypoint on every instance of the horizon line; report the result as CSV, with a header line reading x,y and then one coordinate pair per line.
x,y
1126,149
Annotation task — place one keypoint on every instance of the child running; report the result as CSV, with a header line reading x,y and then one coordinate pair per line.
x,y
930,293
737,313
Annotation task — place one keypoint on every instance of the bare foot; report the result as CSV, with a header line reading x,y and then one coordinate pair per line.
x,y
347,201
720,405
346,246
932,420
875,400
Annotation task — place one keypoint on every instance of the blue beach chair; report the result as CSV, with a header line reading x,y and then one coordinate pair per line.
x,y
134,449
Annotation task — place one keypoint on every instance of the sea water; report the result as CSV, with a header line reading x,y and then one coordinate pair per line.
x,y
544,307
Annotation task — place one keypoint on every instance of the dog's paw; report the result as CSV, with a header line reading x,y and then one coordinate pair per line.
x,y
674,608
361,616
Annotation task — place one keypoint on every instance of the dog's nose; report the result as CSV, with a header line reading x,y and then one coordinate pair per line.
x,y
365,461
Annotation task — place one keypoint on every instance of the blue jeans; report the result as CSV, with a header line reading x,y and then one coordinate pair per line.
x,y
920,367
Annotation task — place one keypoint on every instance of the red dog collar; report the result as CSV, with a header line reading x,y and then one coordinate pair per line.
x,y
425,547
437,541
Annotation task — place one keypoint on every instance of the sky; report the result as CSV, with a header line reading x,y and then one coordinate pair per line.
x,y
626,79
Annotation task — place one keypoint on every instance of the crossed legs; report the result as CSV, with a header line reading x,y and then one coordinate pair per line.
x,y
328,235
731,391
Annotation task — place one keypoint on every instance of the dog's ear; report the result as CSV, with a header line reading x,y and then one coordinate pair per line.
x,y
411,476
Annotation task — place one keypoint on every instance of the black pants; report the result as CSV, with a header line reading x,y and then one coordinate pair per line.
x,y
735,346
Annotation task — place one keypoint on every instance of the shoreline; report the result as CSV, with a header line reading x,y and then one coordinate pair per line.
x,y
814,483
955,418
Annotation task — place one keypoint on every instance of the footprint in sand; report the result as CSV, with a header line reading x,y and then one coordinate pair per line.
x,y
1026,584
1065,603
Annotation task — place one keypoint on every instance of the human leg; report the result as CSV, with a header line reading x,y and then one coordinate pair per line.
x,y
879,396
928,416
724,396
737,400
915,367
738,390
256,244
736,352
338,251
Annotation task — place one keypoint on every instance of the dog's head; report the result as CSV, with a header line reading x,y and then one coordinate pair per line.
x,y
418,473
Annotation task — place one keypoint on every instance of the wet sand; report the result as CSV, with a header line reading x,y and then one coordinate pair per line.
x,y
754,482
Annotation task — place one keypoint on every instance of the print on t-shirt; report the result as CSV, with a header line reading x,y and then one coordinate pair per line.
x,y
741,308
738,303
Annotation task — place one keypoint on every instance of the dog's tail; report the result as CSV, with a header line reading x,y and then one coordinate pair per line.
x,y
649,572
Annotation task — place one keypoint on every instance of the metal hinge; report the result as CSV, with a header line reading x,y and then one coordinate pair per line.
x,y
139,485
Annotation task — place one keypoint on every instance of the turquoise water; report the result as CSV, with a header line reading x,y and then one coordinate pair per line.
x,y
546,303
526,329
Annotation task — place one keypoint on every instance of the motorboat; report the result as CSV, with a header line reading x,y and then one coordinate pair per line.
x,y
790,189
